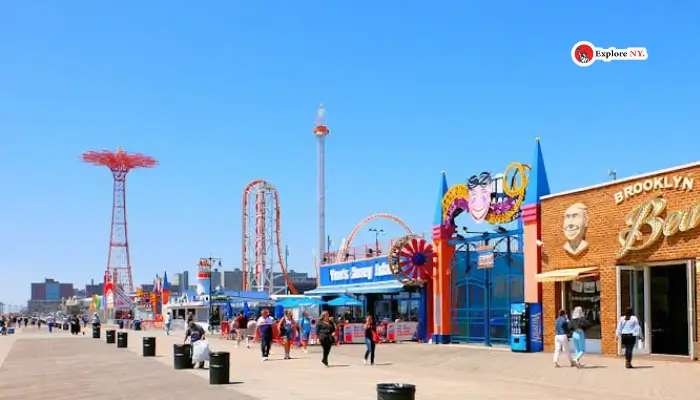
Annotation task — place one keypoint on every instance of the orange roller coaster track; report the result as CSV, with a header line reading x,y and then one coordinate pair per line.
x,y
262,238
348,243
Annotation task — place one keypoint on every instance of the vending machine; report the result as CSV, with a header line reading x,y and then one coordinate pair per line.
x,y
526,327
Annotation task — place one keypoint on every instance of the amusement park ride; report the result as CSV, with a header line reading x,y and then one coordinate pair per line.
x,y
262,244
118,276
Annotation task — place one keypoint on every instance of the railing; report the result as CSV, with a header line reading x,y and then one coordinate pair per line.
x,y
361,252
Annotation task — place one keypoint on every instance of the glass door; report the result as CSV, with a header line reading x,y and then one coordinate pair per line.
x,y
633,291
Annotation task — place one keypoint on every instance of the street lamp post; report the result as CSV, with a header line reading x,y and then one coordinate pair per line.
x,y
377,232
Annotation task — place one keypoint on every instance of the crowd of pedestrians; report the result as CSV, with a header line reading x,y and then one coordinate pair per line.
x,y
288,331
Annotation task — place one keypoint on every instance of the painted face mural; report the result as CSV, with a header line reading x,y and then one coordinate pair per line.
x,y
495,199
480,191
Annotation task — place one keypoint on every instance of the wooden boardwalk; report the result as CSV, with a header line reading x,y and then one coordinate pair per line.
x,y
59,366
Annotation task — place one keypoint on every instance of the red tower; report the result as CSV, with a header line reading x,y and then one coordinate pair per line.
x,y
120,163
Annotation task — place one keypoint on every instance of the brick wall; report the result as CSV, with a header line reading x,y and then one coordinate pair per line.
x,y
606,219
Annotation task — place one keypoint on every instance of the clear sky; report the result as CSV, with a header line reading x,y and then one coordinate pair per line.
x,y
224,92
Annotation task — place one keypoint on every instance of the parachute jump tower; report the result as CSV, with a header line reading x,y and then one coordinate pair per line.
x,y
118,261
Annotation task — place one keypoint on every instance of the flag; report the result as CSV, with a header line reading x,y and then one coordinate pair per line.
x,y
165,287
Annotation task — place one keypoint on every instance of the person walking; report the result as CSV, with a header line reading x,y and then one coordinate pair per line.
x,y
168,322
561,338
287,327
325,328
304,325
628,332
578,325
371,339
241,328
264,328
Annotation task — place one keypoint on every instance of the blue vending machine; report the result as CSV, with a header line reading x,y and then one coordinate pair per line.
x,y
526,327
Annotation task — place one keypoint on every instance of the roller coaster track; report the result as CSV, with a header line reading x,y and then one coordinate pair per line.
x,y
246,238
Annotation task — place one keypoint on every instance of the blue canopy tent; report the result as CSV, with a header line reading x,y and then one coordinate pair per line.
x,y
344,301
288,303
307,301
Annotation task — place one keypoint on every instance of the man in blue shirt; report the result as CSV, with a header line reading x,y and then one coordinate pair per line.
x,y
561,338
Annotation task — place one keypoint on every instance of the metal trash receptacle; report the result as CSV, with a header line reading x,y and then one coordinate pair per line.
x,y
396,391
110,336
137,325
122,340
95,331
182,356
219,367
66,327
149,347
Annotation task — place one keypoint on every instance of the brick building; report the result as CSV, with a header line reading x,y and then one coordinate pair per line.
x,y
632,242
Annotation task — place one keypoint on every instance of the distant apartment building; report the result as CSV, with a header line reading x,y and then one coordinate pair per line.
x,y
93,288
46,296
51,289
180,282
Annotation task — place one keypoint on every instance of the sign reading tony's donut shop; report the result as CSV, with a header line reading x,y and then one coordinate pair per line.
x,y
646,223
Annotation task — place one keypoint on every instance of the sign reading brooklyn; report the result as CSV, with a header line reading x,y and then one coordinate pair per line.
x,y
646,217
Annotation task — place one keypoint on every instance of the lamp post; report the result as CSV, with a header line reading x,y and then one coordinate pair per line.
x,y
286,265
377,232
209,262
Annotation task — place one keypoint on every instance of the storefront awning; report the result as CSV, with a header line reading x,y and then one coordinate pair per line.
x,y
329,290
379,287
565,275
358,288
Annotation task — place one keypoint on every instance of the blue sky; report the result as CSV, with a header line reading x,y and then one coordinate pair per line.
x,y
225,92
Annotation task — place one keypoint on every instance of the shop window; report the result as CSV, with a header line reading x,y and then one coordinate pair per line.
x,y
586,294
408,310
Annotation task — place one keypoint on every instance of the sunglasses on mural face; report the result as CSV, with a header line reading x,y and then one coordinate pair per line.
x,y
483,180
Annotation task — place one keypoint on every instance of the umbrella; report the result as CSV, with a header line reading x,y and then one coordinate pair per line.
x,y
246,309
279,311
288,303
344,301
306,302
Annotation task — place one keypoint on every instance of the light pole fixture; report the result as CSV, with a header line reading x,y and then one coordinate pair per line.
x,y
377,233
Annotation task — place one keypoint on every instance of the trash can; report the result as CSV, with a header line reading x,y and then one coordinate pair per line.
x,y
122,340
137,324
149,347
182,356
120,323
110,336
219,367
95,331
66,327
396,391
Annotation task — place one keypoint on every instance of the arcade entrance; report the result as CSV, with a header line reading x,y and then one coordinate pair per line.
x,y
487,276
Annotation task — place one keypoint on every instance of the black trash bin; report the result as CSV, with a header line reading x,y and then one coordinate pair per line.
x,y
137,325
122,340
66,327
120,323
396,391
219,362
110,334
149,347
95,331
182,356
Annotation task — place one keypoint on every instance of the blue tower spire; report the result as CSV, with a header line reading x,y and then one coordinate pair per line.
x,y
438,211
539,185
